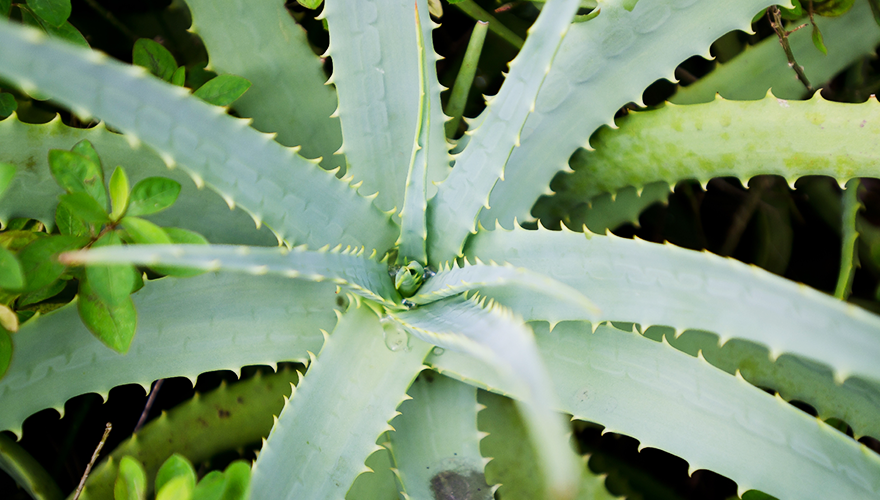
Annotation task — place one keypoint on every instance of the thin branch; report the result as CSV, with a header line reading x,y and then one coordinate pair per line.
x,y
776,22
150,401
82,482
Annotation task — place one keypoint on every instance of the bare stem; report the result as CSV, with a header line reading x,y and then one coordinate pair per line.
x,y
776,23
82,482
150,401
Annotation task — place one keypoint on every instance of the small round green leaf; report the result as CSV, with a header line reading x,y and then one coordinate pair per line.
x,y
16,240
8,104
41,294
179,76
5,351
5,7
11,274
144,232
54,12
84,207
77,173
155,58
238,477
69,223
131,481
114,325
66,32
111,283
39,259
118,193
210,487
832,8
223,90
152,195
176,466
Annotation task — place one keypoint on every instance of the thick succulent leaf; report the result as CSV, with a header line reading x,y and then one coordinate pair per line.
x,y
494,336
435,444
375,70
413,230
227,418
513,460
856,401
680,404
270,319
652,284
455,280
329,427
297,200
379,484
26,471
365,276
849,258
452,213
34,193
593,77
729,139
763,67
261,42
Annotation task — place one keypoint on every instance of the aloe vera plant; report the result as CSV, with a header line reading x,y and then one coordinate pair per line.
x,y
405,264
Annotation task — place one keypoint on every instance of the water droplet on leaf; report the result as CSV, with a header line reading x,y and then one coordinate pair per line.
x,y
396,337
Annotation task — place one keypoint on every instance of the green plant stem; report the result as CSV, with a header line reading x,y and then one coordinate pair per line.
x,y
26,471
849,259
776,23
465,78
471,8
82,482
110,18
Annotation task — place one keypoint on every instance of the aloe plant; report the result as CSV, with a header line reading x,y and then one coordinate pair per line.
x,y
403,264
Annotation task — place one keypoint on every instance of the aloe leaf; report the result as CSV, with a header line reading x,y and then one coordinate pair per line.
x,y
274,319
375,71
452,213
230,417
856,401
849,259
242,164
7,172
365,276
513,460
592,77
413,230
728,139
763,67
455,280
356,383
494,336
435,443
378,484
465,78
680,404
261,42
34,193
652,284
26,471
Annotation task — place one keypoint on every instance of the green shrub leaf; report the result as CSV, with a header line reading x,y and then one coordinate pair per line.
x,y
7,105
5,351
113,283
238,478
178,488
179,76
118,193
78,173
145,232
54,12
5,7
69,223
84,207
210,487
113,325
152,195
39,259
155,58
223,90
818,41
131,483
832,8
177,466
11,274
